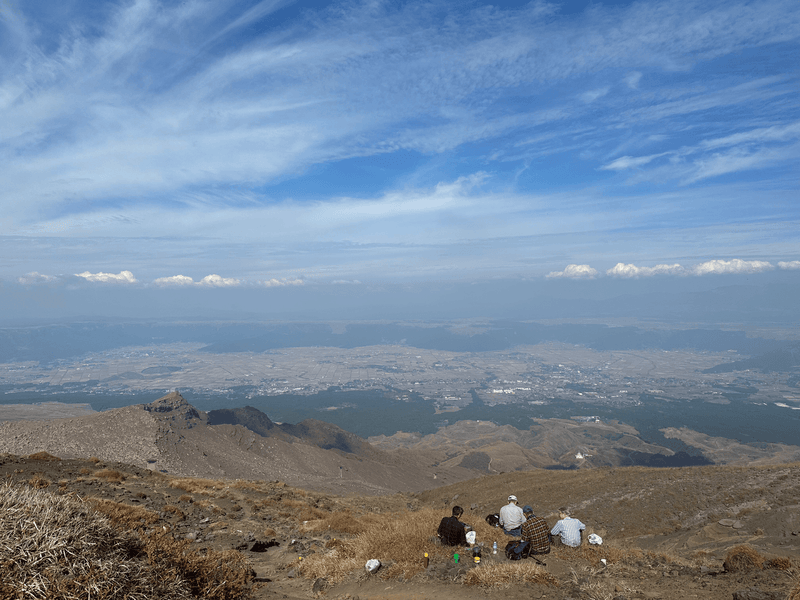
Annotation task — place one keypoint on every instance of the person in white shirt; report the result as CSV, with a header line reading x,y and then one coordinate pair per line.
x,y
512,517
570,530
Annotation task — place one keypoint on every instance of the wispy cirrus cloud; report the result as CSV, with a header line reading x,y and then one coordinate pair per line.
x,y
630,162
742,151
280,282
404,127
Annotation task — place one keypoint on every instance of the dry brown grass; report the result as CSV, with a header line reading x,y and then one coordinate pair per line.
x,y
211,576
259,486
110,475
795,593
171,508
596,590
39,481
400,540
742,558
213,487
60,548
194,485
43,456
505,575
128,517
57,548
341,522
781,563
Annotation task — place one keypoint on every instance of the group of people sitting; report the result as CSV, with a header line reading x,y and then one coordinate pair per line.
x,y
522,522
519,523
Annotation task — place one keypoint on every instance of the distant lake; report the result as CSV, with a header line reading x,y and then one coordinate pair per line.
x,y
368,413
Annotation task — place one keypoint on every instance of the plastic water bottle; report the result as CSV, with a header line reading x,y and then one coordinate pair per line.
x,y
494,548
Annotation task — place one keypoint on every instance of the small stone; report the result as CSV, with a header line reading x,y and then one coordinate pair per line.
x,y
319,585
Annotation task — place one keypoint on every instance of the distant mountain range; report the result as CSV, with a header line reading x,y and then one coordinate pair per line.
x,y
782,360
172,436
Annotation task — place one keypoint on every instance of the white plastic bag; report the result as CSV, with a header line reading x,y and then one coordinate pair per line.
x,y
595,539
471,537
373,564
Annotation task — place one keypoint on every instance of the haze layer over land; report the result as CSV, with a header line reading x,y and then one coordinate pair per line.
x,y
679,389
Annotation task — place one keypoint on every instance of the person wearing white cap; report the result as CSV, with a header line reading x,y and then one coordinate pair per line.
x,y
512,517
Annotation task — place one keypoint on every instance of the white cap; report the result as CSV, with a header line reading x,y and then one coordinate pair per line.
x,y
512,497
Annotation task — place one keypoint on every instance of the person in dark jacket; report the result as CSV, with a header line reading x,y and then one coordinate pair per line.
x,y
451,531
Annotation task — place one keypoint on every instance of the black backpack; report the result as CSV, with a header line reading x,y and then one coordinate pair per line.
x,y
493,520
517,550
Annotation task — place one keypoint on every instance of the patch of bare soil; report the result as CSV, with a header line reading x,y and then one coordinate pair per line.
x,y
668,533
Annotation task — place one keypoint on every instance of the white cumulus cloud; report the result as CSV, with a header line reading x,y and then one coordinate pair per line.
x,y
174,280
792,264
574,272
631,271
121,277
215,280
736,265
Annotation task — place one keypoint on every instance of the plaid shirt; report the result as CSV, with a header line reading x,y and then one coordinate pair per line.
x,y
451,530
536,531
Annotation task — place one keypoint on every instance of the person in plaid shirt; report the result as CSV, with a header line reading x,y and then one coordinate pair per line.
x,y
536,531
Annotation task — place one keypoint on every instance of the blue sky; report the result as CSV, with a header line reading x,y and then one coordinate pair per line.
x,y
279,144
